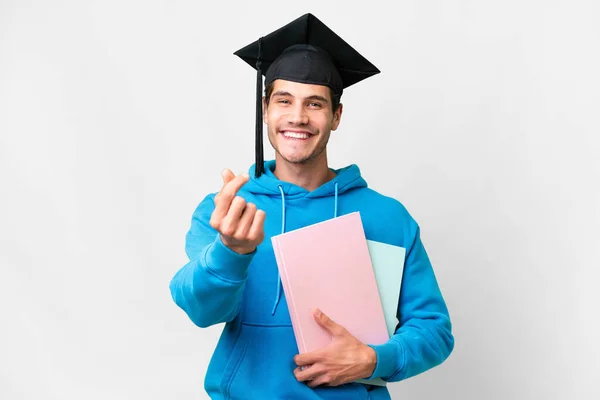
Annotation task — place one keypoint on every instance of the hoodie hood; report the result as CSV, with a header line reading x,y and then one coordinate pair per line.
x,y
347,178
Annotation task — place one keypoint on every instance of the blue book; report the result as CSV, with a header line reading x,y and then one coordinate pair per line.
x,y
388,265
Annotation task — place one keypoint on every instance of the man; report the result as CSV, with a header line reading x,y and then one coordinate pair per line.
x,y
232,275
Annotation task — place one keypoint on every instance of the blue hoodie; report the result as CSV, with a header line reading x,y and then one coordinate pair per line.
x,y
254,356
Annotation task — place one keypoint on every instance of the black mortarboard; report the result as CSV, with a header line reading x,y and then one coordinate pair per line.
x,y
305,51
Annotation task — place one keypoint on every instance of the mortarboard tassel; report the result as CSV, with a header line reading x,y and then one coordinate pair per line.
x,y
259,167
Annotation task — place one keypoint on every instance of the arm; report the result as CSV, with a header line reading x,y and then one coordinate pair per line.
x,y
424,338
422,341
209,287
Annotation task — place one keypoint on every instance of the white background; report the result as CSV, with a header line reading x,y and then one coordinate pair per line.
x,y
116,118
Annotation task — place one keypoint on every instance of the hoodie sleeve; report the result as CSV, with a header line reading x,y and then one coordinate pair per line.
x,y
209,287
424,337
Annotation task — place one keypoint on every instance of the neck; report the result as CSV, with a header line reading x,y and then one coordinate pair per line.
x,y
309,175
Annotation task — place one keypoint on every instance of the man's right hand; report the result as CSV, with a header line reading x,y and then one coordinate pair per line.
x,y
240,224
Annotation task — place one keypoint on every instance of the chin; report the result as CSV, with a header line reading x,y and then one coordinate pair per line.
x,y
295,160
294,157
290,157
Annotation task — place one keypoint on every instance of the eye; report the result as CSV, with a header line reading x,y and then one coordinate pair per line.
x,y
283,101
315,105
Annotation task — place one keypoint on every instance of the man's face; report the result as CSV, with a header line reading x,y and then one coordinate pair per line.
x,y
299,120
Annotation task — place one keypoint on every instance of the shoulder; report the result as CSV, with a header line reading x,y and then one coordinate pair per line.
x,y
386,218
205,207
389,205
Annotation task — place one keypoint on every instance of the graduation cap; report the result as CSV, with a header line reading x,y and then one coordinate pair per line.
x,y
305,51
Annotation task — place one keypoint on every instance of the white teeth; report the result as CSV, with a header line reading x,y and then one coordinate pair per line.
x,y
296,135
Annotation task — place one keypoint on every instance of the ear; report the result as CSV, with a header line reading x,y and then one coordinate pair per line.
x,y
337,116
264,101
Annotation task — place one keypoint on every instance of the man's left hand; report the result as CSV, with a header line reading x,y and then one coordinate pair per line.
x,y
344,360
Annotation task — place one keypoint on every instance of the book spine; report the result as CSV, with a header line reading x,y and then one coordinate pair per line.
x,y
289,296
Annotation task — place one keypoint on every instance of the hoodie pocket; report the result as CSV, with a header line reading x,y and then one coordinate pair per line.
x,y
233,363
261,366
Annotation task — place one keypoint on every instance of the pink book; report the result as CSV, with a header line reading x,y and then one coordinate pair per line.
x,y
328,266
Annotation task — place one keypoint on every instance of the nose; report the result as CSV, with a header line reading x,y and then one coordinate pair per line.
x,y
298,115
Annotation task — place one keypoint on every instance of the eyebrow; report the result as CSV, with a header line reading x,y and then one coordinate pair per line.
x,y
313,97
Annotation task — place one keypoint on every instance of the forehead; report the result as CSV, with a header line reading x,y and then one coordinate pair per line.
x,y
297,89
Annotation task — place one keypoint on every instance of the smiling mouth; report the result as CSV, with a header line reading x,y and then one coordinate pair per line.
x,y
296,135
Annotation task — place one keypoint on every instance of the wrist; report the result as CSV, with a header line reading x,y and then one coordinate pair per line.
x,y
237,249
369,361
226,263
